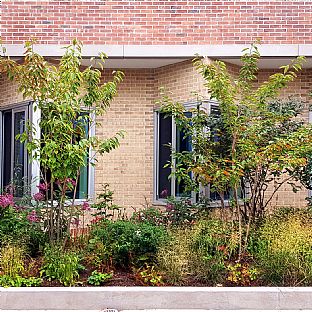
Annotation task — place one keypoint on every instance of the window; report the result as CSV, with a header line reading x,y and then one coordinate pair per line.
x,y
167,134
14,161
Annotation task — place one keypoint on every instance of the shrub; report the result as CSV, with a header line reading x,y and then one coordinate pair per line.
x,y
97,278
12,260
201,252
126,242
174,256
19,224
61,265
283,248
150,215
214,242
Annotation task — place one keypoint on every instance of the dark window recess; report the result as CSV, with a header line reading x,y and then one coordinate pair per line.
x,y
14,157
7,148
164,139
183,144
82,183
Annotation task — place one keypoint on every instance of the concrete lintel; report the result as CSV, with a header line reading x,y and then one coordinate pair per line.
x,y
305,49
55,50
166,51
142,298
225,50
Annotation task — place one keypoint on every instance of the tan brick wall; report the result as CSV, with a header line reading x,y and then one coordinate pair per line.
x,y
129,169
8,92
179,81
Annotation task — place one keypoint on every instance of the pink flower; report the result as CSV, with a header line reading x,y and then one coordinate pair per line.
x,y
33,217
164,193
71,181
42,187
169,207
6,200
86,206
38,197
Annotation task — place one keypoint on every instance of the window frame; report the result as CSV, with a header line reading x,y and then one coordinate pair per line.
x,y
25,106
206,105
33,168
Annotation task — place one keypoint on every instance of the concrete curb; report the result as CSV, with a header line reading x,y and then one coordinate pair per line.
x,y
149,298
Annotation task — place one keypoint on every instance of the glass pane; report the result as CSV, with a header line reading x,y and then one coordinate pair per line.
x,y
164,139
184,144
7,148
19,154
82,187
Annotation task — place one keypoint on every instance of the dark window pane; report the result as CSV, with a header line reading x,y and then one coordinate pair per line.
x,y
19,154
164,138
82,185
7,148
184,144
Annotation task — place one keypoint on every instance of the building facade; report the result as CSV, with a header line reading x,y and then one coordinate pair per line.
x,y
153,42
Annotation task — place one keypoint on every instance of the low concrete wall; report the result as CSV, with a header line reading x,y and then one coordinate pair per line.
x,y
140,298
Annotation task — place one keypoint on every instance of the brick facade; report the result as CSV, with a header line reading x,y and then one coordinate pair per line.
x,y
129,169
157,22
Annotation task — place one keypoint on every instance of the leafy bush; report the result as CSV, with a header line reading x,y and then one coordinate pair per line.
x,y
213,243
61,265
175,255
201,252
97,278
148,275
150,215
282,248
18,223
19,281
125,242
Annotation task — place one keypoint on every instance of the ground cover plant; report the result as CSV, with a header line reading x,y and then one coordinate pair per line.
x,y
255,139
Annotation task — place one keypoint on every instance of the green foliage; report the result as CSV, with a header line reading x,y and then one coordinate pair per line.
x,y
104,206
150,215
282,248
15,227
242,274
97,278
19,281
148,275
200,251
174,256
12,259
61,265
213,243
125,242
69,100
182,210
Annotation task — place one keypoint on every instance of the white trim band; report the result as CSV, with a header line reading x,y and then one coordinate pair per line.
x,y
167,51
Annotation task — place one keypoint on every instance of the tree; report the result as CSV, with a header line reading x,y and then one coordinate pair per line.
x,y
69,100
253,141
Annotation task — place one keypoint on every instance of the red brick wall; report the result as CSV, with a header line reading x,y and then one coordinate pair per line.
x,y
157,22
